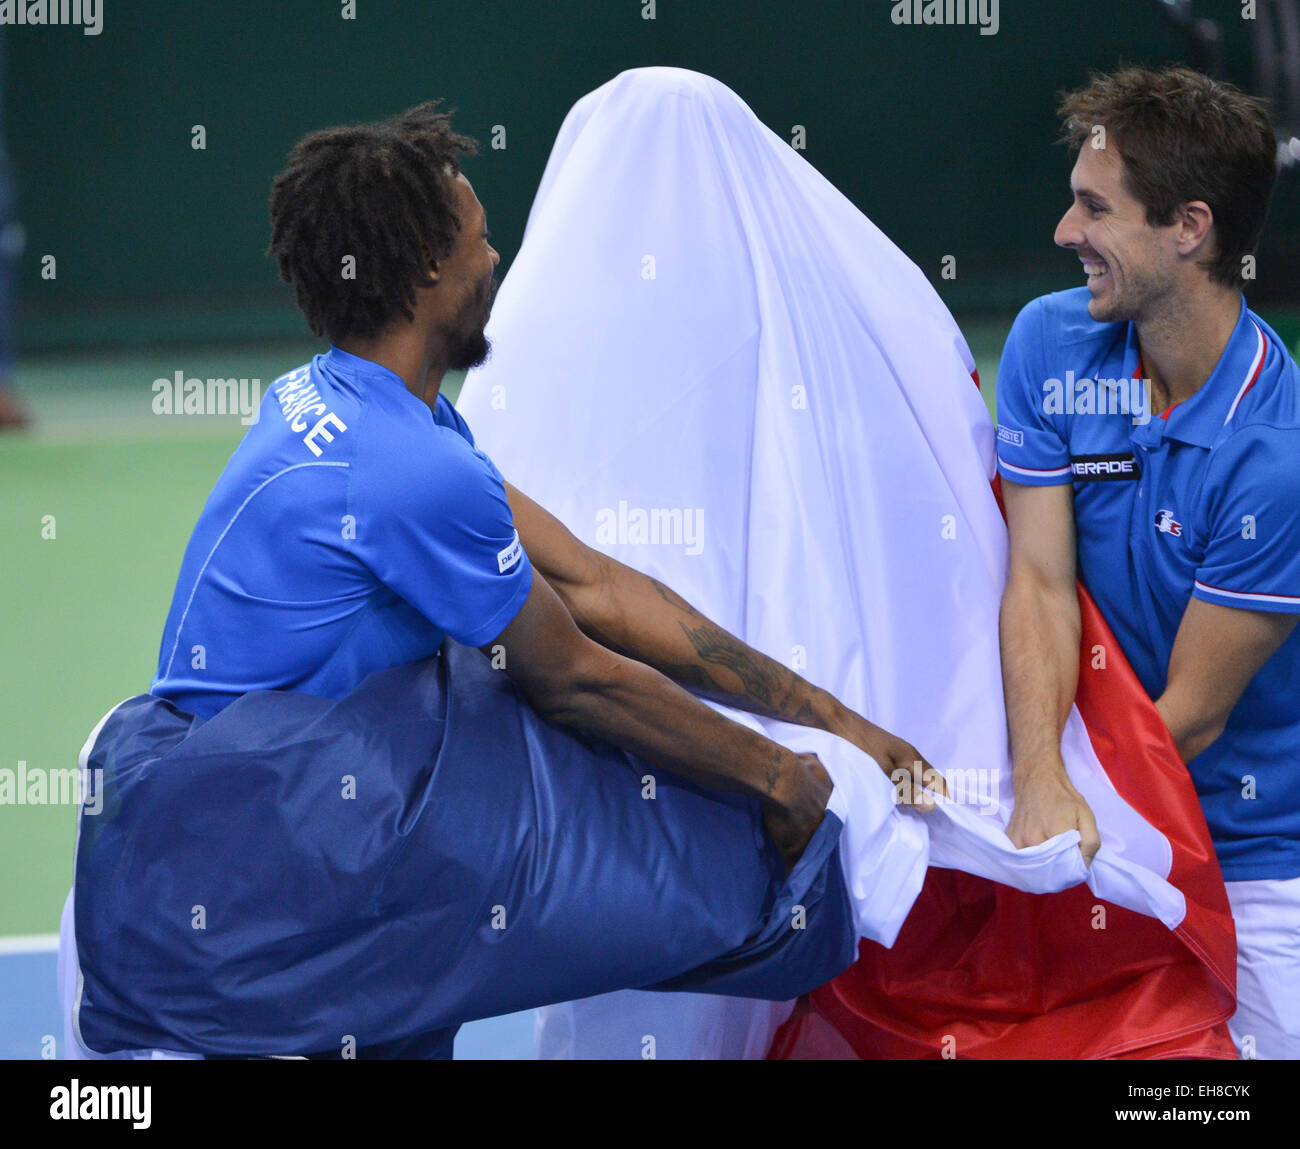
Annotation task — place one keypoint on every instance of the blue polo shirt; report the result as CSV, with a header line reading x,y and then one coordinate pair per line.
x,y
1202,501
351,530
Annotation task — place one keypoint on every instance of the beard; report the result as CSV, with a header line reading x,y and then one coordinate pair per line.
x,y
469,346
1110,311
468,350
1146,291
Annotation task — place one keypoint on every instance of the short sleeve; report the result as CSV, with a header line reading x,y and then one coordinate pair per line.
x,y
435,527
1250,518
1031,449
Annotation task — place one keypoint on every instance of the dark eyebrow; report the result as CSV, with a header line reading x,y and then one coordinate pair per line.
x,y
1088,193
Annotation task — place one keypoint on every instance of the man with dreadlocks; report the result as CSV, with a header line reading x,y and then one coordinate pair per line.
x,y
394,842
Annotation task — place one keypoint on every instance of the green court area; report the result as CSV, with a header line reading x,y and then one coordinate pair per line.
x,y
99,500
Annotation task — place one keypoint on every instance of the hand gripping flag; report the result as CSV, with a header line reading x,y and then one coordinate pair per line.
x,y
710,365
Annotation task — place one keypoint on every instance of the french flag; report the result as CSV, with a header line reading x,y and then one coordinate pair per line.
x,y
699,324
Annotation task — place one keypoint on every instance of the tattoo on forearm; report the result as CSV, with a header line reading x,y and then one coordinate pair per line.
x,y
776,690
761,683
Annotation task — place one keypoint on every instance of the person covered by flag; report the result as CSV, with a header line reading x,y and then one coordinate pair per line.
x,y
324,834
790,377
1149,439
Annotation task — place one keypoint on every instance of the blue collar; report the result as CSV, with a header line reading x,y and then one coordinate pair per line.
x,y
355,368
1199,419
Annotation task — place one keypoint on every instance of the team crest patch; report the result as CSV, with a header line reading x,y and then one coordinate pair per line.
x,y
508,557
1166,524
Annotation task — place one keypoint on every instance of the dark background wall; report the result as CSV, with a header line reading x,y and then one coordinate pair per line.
x,y
941,135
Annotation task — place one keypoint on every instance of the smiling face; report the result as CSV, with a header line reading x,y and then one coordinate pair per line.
x,y
467,282
1131,266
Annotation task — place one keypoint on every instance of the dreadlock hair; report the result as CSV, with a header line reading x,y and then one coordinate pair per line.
x,y
374,192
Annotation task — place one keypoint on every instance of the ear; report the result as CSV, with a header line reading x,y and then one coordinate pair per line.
x,y
1195,226
433,274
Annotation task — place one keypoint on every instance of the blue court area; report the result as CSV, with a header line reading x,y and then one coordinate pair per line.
x,y
29,1003
30,1025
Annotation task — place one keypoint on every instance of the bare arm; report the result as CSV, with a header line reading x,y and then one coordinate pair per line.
x,y
1039,628
1216,653
636,615
573,681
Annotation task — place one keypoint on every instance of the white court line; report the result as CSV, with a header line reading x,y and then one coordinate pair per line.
x,y
30,944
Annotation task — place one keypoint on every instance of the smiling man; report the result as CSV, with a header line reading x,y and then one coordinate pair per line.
x,y
1182,518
